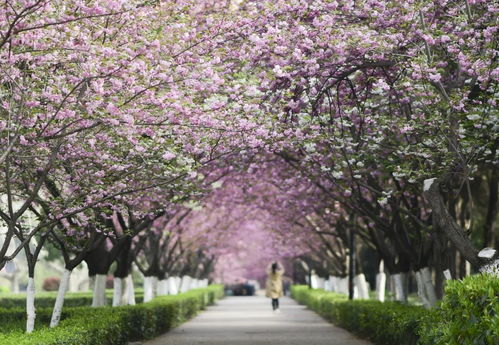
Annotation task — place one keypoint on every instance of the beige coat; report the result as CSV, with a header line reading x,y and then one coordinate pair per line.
x,y
274,284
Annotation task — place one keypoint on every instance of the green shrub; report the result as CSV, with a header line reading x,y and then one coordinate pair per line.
x,y
388,323
468,314
110,325
46,299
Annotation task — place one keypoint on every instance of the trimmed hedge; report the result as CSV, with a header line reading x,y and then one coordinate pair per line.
x,y
468,315
47,299
388,323
13,320
113,325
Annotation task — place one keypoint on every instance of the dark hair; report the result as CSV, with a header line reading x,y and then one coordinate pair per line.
x,y
274,267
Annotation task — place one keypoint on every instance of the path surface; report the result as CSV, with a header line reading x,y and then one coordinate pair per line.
x,y
250,321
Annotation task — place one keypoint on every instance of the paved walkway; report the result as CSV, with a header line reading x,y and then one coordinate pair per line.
x,y
250,321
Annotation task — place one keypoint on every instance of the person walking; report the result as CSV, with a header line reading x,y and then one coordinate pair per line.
x,y
274,284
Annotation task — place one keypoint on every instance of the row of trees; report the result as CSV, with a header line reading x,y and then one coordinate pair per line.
x,y
108,116
334,120
393,110
389,111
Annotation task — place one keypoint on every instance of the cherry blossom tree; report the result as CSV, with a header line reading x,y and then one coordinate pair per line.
x,y
396,89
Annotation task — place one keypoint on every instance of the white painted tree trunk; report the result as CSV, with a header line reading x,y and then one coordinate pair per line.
x,y
327,285
185,284
492,267
147,289
332,284
91,282
130,290
343,286
398,281
99,293
194,283
314,281
204,283
117,291
172,286
338,284
154,284
430,292
380,286
468,268
163,287
381,282
421,289
150,288
447,274
179,283
320,283
124,291
59,301
30,305
362,287
333,281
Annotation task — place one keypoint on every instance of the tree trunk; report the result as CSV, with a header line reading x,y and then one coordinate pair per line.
x,y
163,287
334,281
489,233
59,301
150,288
343,286
172,286
444,220
117,291
381,283
313,281
130,290
429,288
99,292
492,261
487,260
439,250
91,282
30,305
452,260
351,264
185,284
462,266
421,292
362,287
399,284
